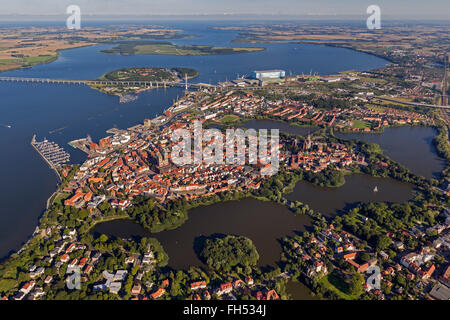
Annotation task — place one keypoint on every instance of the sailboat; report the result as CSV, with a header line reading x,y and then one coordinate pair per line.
x,y
375,189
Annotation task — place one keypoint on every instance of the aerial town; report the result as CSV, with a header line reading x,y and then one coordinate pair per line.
x,y
130,164
366,250
137,162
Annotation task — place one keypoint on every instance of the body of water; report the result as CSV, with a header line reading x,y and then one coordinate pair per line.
x,y
357,188
263,222
299,291
411,146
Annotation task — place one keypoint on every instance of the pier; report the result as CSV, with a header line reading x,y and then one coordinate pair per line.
x,y
52,153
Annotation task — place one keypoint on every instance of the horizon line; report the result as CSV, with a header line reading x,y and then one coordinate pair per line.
x,y
227,16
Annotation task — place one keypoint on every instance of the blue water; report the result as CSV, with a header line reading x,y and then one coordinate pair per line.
x,y
88,62
63,113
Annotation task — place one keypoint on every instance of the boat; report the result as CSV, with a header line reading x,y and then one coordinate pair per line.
x,y
375,189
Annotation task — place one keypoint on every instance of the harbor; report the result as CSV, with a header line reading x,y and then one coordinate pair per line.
x,y
127,98
52,153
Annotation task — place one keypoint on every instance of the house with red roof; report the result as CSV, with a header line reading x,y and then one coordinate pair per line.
x,y
350,256
238,283
272,295
225,288
165,283
158,293
198,285
28,287
249,280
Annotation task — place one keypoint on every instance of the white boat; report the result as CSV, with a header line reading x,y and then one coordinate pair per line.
x,y
375,189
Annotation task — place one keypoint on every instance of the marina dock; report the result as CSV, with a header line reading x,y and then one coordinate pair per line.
x,y
52,153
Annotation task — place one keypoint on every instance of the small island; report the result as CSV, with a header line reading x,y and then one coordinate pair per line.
x,y
228,252
167,48
126,80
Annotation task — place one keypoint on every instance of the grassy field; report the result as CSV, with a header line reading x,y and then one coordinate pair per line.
x,y
335,283
8,64
377,108
374,80
360,124
402,99
229,118
390,103
60,198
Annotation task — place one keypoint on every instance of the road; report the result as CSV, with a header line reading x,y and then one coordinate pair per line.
x,y
412,103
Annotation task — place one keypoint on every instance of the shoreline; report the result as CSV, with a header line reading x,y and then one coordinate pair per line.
x,y
53,59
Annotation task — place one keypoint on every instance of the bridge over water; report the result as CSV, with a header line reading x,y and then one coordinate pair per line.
x,y
151,84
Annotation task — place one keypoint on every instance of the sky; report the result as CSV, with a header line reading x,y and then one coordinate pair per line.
x,y
395,9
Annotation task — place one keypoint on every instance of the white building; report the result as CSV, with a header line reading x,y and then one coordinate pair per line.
x,y
268,74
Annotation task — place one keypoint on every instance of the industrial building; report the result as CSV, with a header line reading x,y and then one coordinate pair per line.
x,y
268,74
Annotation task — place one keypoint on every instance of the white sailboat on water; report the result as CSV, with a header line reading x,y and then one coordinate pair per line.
x,y
375,189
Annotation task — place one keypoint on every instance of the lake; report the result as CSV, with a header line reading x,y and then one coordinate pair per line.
x,y
357,188
263,222
299,291
411,146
